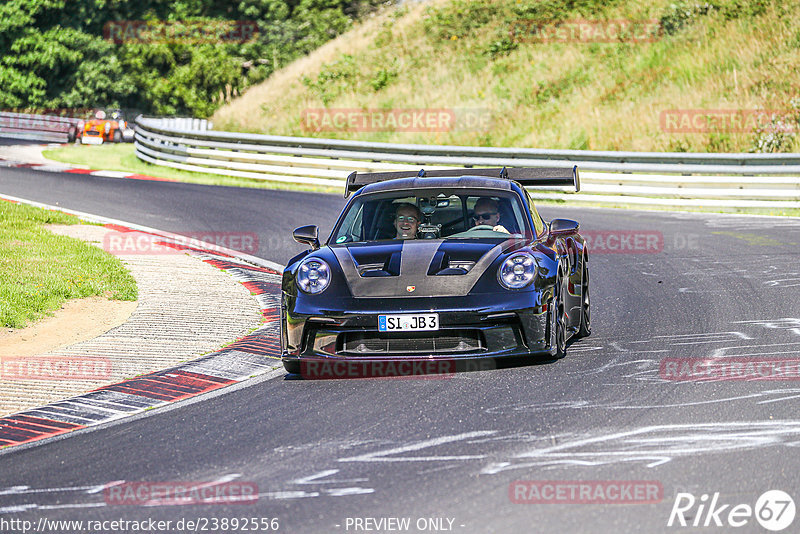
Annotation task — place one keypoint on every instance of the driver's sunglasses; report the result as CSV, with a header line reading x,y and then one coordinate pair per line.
x,y
486,216
409,218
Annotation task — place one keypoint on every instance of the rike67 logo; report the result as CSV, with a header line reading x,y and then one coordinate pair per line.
x,y
774,510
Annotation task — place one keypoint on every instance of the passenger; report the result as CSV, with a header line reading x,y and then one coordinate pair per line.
x,y
487,212
406,220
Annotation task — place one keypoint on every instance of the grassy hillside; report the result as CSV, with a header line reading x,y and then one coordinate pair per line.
x,y
482,58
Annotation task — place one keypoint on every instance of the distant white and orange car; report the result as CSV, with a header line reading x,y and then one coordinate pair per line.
x,y
106,127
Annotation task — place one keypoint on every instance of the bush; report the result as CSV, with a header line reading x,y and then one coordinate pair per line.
x,y
681,15
383,77
501,46
458,18
333,79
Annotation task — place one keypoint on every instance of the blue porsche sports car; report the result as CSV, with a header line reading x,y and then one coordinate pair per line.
x,y
450,265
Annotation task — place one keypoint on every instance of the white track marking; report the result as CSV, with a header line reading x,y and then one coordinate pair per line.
x,y
23,490
315,479
343,492
381,456
280,495
74,505
760,350
98,489
655,445
111,174
17,509
780,395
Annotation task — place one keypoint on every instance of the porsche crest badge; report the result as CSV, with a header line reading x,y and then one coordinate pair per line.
x,y
411,289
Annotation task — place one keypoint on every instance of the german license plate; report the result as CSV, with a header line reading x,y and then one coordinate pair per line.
x,y
408,322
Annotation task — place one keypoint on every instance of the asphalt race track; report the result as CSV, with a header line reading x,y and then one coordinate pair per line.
x,y
330,455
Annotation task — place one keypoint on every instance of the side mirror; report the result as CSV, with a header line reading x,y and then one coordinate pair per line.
x,y
307,235
563,228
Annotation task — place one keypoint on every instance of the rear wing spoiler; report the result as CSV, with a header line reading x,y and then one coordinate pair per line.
x,y
531,176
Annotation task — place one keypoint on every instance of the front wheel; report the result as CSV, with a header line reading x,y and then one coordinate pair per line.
x,y
558,322
586,318
292,366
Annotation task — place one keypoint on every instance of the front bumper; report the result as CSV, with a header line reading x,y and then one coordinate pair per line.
x,y
92,138
473,328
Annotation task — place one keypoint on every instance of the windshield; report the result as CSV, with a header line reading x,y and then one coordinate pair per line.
x,y
432,215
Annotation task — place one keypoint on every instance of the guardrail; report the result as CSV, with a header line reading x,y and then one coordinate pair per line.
x,y
38,127
193,146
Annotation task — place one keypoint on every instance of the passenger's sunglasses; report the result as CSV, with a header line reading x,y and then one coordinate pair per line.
x,y
486,216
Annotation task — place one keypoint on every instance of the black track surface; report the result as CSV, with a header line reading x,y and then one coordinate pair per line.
x,y
325,451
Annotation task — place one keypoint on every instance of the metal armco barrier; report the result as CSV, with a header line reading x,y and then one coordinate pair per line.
x,y
38,127
188,144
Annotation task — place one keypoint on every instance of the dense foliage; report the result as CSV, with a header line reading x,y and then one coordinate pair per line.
x,y
59,54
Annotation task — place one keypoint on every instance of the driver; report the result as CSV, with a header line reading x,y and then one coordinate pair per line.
x,y
487,212
406,220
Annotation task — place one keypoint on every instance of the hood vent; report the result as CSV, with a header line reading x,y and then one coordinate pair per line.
x,y
444,265
389,267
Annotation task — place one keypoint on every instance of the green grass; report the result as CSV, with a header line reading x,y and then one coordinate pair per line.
x,y
121,157
40,270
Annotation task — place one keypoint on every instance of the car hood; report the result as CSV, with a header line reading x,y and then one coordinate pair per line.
x,y
418,268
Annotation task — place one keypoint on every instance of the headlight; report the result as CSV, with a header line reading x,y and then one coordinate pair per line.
x,y
313,276
517,271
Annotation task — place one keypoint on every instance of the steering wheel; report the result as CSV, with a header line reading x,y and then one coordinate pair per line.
x,y
449,225
481,227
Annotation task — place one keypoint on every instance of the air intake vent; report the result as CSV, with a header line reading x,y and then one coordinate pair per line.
x,y
372,343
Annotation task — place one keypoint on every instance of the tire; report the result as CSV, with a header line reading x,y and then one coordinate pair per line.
x,y
558,322
586,316
117,136
292,367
